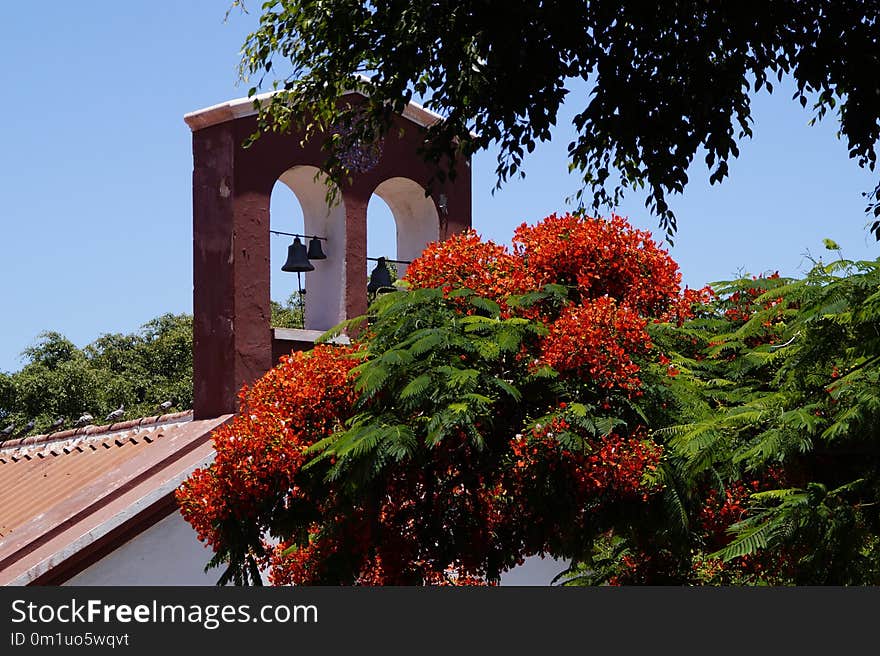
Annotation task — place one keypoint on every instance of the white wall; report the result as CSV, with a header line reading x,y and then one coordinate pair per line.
x,y
167,553
534,571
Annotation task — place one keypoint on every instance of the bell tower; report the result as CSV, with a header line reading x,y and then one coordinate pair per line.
x,y
233,341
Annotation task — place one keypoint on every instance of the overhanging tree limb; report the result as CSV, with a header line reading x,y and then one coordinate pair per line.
x,y
671,81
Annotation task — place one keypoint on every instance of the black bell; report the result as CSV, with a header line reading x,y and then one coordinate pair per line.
x,y
297,260
315,251
380,278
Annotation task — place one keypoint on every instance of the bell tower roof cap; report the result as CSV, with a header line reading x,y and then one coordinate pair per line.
x,y
240,107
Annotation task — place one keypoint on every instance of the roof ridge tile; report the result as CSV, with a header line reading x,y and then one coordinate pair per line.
x,y
93,431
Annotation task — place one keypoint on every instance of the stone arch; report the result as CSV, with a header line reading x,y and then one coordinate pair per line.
x,y
415,215
233,341
324,300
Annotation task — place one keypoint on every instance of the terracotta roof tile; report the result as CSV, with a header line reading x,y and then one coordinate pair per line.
x,y
56,490
94,430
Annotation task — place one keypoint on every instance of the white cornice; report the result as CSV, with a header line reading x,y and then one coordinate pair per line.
x,y
239,107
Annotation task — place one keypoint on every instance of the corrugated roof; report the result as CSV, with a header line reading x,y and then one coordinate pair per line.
x,y
61,494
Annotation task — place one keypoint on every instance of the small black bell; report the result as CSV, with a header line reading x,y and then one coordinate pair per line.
x,y
315,250
380,278
297,260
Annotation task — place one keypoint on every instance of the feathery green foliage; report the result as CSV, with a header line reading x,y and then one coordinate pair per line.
x,y
429,373
779,386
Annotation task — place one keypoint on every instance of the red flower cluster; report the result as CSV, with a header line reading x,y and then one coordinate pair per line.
x,y
297,403
599,257
742,304
466,261
644,567
298,564
616,274
720,510
682,308
596,340
612,467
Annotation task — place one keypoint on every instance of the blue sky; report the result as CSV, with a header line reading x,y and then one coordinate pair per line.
x,y
95,173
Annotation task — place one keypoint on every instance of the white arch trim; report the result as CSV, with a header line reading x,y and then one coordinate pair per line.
x,y
325,286
415,216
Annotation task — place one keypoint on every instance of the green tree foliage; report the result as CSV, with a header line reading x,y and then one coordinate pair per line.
x,y
773,469
138,370
671,81
288,314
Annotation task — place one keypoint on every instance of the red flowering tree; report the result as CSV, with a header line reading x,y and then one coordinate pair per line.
x,y
496,409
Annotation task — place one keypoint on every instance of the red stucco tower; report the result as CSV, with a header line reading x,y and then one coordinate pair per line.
x,y
233,341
